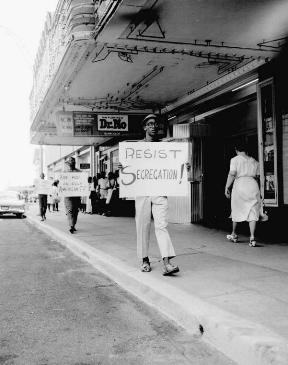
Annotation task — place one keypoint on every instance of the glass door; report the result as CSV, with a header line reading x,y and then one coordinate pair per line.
x,y
267,142
197,180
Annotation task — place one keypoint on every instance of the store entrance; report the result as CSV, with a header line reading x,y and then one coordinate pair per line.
x,y
235,124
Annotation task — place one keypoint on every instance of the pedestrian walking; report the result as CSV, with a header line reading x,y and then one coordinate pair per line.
x,y
72,203
111,199
42,201
94,195
245,197
88,198
158,207
83,204
102,189
49,202
97,203
55,195
116,195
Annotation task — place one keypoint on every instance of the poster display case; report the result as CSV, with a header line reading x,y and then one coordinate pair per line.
x,y
267,142
284,117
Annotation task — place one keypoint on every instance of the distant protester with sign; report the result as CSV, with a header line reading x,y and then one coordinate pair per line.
x,y
42,197
72,203
149,195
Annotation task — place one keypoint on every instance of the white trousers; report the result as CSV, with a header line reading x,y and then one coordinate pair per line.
x,y
158,206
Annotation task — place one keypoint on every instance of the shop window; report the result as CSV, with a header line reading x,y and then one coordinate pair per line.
x,y
103,163
267,142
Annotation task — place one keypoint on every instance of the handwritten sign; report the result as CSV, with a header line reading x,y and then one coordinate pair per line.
x,y
153,169
73,183
43,186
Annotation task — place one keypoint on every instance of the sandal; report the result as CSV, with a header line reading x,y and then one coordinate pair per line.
x,y
169,269
252,242
145,267
232,238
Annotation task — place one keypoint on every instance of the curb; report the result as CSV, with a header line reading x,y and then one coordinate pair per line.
x,y
243,341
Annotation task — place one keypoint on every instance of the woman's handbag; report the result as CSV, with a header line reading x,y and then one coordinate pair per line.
x,y
263,216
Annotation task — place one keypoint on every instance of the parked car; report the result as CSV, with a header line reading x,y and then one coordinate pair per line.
x,y
10,203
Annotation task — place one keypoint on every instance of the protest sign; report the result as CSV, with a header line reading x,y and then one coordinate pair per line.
x,y
73,184
43,186
153,169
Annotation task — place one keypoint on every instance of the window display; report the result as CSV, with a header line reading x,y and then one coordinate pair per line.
x,y
267,139
285,152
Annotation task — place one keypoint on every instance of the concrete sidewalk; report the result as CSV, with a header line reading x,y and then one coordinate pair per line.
x,y
234,296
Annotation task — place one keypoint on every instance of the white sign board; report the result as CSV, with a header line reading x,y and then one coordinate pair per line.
x,y
153,169
65,123
73,184
43,186
112,122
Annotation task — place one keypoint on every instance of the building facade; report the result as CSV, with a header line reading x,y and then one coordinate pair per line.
x,y
216,79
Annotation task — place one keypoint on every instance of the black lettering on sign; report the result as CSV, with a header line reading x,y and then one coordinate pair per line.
x,y
175,151
132,176
115,123
129,152
162,154
102,123
118,124
148,153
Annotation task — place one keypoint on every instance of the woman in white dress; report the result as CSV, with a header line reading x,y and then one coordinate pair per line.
x,y
245,197
55,196
102,189
49,201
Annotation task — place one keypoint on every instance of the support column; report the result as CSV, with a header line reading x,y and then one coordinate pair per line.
x,y
77,159
97,167
92,161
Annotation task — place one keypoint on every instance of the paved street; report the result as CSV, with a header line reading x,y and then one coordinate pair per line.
x,y
56,309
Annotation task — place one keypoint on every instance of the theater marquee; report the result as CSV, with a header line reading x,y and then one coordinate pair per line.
x,y
80,128
109,125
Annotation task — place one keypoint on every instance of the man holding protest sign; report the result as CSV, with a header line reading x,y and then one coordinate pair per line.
x,y
140,167
42,199
72,203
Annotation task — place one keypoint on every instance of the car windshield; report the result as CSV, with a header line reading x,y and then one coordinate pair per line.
x,y
9,195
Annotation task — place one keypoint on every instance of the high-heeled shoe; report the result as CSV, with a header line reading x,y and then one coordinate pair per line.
x,y
252,242
169,269
232,238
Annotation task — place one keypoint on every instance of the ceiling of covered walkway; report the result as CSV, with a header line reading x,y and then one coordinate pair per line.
x,y
152,52
149,54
